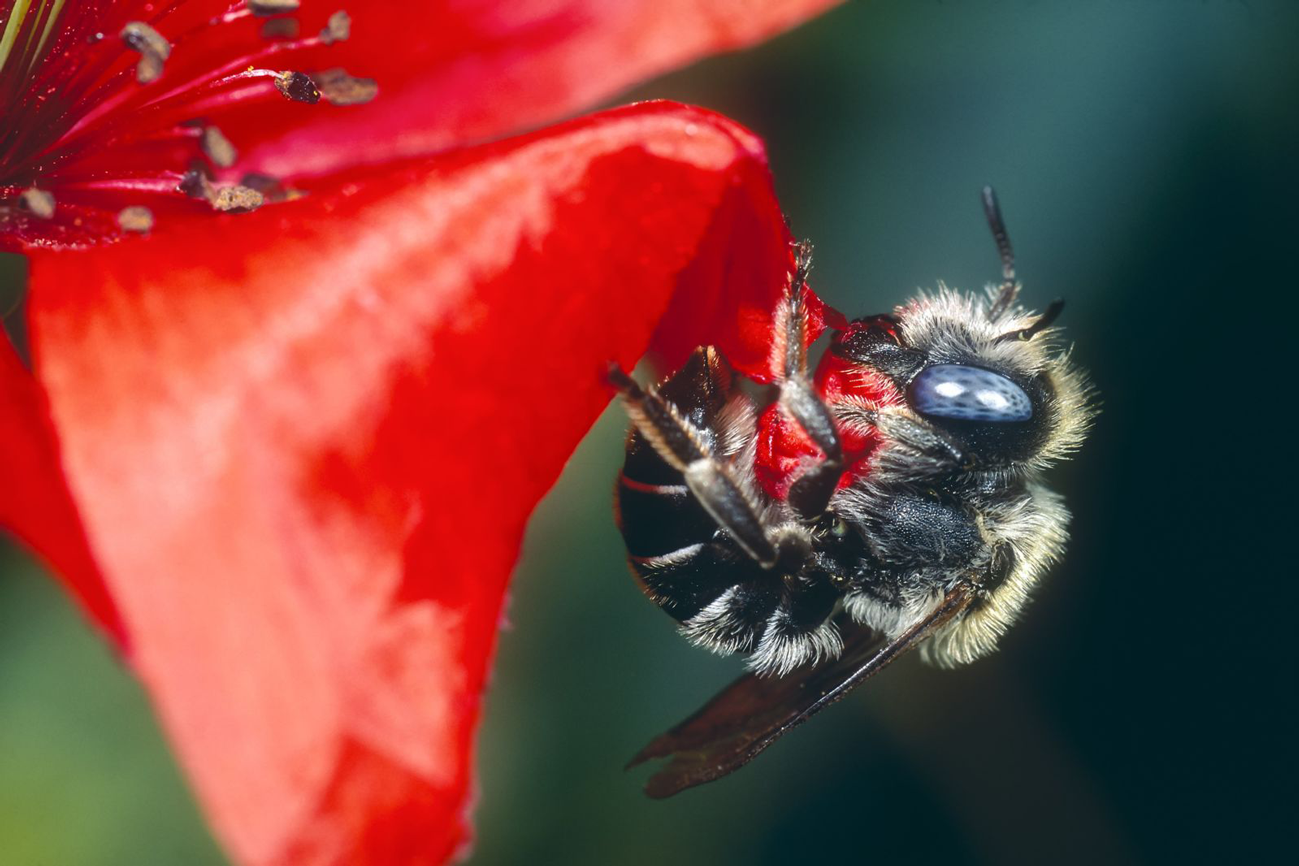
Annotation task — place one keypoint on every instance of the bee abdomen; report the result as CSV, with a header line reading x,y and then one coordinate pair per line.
x,y
673,545
683,560
686,581
660,519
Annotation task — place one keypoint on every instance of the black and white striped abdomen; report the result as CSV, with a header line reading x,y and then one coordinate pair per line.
x,y
721,593
684,562
674,546
691,569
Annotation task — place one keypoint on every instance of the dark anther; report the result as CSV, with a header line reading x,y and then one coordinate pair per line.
x,y
227,199
267,8
263,183
195,184
339,28
141,37
217,147
298,87
271,188
340,88
151,45
281,28
37,202
136,219
1040,324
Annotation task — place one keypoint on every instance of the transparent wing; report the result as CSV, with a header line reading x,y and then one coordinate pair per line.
x,y
753,712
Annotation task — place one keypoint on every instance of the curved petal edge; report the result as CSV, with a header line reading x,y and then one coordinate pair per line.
x,y
303,444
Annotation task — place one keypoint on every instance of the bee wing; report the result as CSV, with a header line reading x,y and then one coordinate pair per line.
x,y
751,713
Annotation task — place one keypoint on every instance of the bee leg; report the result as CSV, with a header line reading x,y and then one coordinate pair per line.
x,y
685,448
810,494
937,448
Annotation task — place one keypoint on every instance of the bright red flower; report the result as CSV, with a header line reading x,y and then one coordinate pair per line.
x,y
285,457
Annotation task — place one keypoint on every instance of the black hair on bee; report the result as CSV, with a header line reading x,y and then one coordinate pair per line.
x,y
895,499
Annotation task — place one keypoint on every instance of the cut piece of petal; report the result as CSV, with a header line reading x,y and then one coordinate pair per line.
x,y
304,443
450,74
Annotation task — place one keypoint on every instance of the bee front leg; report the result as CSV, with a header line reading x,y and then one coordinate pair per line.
x,y
685,448
810,493
940,452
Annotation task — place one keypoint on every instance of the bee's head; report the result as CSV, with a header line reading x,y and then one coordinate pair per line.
x,y
982,370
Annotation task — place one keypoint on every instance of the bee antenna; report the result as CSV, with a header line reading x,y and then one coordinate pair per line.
x,y
1041,323
1009,288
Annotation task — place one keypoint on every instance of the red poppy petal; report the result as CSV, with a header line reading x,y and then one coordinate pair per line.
x,y
457,73
35,501
304,456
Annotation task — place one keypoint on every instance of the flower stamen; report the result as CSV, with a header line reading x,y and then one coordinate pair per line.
x,y
342,89
237,199
38,203
281,28
153,49
217,147
136,219
234,198
297,86
339,28
110,100
267,8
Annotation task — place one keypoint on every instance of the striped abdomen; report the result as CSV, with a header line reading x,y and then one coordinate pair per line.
x,y
683,560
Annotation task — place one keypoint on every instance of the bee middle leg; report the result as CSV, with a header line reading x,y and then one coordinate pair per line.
x,y
810,493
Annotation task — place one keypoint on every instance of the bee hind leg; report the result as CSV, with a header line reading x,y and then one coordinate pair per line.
x,y
687,448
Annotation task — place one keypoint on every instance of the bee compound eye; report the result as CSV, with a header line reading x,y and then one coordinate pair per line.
x,y
968,394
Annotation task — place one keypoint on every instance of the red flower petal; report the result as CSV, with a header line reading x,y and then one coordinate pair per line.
x,y
457,73
35,498
303,456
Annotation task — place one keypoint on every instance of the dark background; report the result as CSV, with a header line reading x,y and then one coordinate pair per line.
x,y
1143,710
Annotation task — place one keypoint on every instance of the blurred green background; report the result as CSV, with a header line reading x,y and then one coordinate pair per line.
x,y
1144,154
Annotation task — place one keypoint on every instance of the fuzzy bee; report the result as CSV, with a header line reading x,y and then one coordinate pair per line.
x,y
893,499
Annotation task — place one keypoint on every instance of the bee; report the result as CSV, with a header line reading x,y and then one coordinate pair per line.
x,y
892,499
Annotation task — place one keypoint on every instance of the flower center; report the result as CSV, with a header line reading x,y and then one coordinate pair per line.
x,y
119,113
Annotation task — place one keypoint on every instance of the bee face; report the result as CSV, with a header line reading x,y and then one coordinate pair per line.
x,y
964,369
892,498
